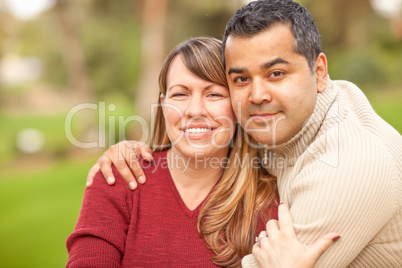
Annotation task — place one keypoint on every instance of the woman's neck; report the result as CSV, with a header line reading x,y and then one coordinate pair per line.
x,y
194,177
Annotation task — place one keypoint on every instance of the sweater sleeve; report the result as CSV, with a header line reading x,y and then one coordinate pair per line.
x,y
99,236
356,198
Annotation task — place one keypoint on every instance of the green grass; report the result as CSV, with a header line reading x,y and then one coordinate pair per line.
x,y
38,213
51,126
388,104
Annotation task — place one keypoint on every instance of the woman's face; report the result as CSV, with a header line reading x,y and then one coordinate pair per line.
x,y
199,118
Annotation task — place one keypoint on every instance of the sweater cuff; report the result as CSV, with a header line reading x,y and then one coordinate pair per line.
x,y
249,261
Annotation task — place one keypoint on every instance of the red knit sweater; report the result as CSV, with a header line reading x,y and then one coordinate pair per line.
x,y
149,227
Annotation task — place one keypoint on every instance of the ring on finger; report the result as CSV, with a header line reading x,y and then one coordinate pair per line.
x,y
260,237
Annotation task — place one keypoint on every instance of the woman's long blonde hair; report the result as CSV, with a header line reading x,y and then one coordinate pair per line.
x,y
228,218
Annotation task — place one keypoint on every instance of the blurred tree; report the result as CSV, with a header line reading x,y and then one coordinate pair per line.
x,y
357,42
111,36
73,53
342,23
198,18
153,53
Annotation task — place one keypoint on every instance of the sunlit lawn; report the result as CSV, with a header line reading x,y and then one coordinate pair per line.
x,y
38,212
388,105
39,208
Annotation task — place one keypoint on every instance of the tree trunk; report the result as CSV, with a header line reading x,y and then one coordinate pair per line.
x,y
88,129
73,54
153,54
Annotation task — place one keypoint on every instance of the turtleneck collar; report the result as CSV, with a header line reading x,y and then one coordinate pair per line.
x,y
286,154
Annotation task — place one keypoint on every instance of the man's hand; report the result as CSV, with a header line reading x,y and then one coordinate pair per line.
x,y
124,156
279,247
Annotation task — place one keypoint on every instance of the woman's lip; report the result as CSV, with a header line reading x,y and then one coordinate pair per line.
x,y
197,133
197,126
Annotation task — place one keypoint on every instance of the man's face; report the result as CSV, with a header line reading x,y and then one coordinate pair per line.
x,y
273,90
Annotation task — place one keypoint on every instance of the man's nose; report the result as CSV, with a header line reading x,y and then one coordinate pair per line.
x,y
260,92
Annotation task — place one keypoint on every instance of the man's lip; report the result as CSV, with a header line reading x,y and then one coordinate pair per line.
x,y
264,114
263,117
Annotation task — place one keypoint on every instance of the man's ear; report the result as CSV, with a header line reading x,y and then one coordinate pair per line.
x,y
321,72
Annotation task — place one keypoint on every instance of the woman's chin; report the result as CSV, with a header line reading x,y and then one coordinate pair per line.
x,y
202,151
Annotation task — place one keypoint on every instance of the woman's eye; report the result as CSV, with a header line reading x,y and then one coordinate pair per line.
x,y
215,95
179,95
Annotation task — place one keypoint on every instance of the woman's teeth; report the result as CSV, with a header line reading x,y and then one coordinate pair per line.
x,y
197,130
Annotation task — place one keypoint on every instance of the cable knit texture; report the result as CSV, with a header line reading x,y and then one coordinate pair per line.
x,y
342,172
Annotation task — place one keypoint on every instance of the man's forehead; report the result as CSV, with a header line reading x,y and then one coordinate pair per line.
x,y
234,39
275,45
273,30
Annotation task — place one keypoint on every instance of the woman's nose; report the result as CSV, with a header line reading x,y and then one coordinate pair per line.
x,y
196,107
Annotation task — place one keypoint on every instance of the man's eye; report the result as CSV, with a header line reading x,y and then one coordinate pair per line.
x,y
276,74
241,79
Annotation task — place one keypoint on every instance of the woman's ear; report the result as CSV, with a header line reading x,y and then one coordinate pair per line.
x,y
162,99
321,72
162,104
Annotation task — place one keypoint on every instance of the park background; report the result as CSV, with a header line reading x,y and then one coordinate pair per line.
x,y
105,56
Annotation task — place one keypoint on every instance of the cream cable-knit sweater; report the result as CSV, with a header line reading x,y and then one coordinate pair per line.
x,y
343,173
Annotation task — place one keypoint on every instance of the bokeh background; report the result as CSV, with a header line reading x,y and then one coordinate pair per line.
x,y
79,73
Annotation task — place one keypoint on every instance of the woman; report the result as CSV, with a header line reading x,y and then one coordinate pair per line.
x,y
156,225
195,180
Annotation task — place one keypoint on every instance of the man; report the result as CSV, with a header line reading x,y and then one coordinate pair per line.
x,y
338,164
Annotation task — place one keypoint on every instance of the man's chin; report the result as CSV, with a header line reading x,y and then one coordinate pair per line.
x,y
265,139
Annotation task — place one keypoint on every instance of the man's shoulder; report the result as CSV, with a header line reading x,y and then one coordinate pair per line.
x,y
350,151
354,147
357,120
352,128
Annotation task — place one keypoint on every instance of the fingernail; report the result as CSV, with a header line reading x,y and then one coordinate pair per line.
x,y
87,184
149,156
132,185
336,238
110,180
141,179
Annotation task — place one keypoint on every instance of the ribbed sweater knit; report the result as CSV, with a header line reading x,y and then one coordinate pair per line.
x,y
148,227
343,172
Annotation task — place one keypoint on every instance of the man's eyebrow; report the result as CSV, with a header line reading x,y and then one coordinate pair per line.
x,y
236,70
266,65
273,62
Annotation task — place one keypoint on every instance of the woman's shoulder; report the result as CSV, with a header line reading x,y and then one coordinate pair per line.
x,y
158,164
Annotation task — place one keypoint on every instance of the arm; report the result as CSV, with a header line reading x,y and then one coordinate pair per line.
x,y
124,156
100,233
278,245
357,198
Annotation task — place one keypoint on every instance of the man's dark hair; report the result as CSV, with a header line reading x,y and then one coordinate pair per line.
x,y
260,15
